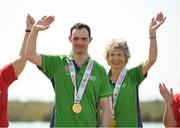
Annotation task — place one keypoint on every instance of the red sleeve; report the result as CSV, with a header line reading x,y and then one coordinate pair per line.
x,y
8,74
176,107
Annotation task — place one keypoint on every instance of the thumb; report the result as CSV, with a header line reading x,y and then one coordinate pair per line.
x,y
171,90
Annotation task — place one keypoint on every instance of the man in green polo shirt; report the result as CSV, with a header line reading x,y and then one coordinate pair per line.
x,y
80,82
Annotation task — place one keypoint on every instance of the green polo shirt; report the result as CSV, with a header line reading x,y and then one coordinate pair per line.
x,y
98,86
127,105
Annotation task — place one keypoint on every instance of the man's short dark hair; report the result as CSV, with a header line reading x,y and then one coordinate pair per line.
x,y
80,26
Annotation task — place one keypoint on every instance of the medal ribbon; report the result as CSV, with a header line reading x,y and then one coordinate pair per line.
x,y
78,94
113,99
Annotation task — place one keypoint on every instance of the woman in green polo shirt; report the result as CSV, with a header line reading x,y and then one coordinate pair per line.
x,y
124,103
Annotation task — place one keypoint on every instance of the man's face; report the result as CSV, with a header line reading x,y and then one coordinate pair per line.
x,y
80,40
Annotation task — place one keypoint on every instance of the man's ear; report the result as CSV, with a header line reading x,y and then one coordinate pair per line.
x,y
90,39
69,37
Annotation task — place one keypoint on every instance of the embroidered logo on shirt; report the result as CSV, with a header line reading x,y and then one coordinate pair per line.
x,y
124,85
93,78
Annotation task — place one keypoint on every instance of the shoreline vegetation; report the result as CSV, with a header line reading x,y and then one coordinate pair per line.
x,y
151,111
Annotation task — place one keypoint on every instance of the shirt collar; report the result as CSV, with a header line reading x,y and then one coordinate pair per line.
x,y
70,57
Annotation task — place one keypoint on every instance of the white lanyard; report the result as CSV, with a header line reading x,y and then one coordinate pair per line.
x,y
78,94
117,88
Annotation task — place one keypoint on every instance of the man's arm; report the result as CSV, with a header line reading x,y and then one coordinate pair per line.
x,y
104,103
168,117
155,24
20,63
31,53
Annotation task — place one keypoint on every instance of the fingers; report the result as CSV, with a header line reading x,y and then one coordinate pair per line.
x,y
163,88
152,22
43,17
163,20
156,22
30,19
159,16
47,20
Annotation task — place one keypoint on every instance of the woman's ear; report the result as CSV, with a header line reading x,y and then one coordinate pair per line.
x,y
108,62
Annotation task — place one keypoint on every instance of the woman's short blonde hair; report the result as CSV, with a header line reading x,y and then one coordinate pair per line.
x,y
117,44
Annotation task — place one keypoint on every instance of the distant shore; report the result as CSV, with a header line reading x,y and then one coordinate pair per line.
x,y
151,111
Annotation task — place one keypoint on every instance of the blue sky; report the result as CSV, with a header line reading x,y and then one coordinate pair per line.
x,y
108,19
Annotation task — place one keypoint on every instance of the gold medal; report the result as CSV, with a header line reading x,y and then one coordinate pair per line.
x,y
77,108
112,123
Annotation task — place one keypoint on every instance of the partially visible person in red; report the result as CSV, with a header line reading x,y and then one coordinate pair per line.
x,y
10,73
176,108
172,109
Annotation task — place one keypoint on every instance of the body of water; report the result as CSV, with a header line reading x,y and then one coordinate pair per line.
x,y
46,125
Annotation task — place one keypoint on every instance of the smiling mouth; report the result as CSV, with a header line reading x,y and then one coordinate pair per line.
x,y
117,63
80,46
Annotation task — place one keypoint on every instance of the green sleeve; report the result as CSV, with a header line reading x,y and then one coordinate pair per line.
x,y
136,74
49,65
106,89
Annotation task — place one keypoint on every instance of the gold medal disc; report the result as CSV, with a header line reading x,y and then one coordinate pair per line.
x,y
77,108
112,123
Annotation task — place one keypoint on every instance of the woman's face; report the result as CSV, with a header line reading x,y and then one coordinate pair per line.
x,y
116,59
